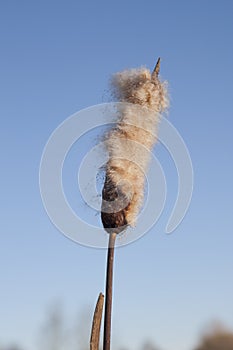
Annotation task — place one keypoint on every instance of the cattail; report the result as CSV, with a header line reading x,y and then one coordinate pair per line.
x,y
129,144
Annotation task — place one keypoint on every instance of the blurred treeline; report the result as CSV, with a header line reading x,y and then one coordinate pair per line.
x,y
54,335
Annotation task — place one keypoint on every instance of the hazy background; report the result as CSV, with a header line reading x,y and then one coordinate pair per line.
x,y
56,58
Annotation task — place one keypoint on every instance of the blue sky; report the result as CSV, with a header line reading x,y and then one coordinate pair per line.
x,y
56,58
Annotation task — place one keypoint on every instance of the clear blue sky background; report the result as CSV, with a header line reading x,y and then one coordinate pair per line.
x,y
56,58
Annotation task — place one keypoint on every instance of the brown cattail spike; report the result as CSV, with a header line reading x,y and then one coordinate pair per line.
x,y
156,70
129,144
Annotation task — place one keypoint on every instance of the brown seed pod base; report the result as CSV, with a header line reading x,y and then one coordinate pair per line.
x,y
113,221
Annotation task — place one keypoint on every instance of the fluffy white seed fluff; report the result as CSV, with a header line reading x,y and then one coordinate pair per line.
x,y
129,143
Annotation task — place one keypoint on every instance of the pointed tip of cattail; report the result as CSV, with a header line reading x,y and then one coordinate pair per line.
x,y
156,70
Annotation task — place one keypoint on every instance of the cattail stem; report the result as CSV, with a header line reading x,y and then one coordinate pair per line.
x,y
108,292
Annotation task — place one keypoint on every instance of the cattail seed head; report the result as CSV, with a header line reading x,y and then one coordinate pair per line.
x,y
144,97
